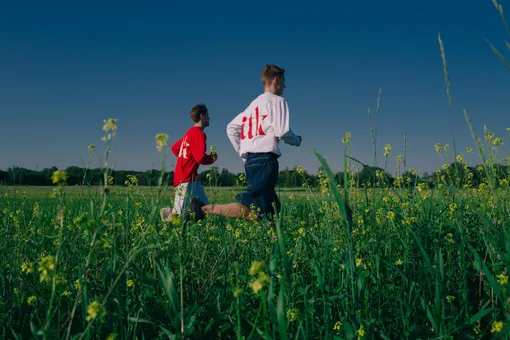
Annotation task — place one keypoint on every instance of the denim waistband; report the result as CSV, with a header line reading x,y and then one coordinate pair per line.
x,y
270,155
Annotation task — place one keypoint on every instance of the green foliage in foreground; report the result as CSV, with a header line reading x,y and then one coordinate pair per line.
x,y
420,263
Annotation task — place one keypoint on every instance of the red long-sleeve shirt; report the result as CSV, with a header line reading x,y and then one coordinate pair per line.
x,y
190,153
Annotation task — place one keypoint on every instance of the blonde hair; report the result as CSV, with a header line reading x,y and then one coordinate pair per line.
x,y
270,72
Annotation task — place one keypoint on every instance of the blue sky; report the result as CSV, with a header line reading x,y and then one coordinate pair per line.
x,y
65,67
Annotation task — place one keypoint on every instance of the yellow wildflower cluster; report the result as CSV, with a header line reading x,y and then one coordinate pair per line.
x,y
94,310
497,326
502,279
31,299
497,141
361,331
110,124
262,279
346,138
161,141
46,265
241,180
293,314
58,176
387,150
27,267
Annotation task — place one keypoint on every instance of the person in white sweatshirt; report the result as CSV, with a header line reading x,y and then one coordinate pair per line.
x,y
255,135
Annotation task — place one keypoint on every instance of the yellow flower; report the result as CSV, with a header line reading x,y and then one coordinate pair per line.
x,y
256,286
212,149
387,149
338,326
421,187
497,326
347,138
27,267
391,216
130,283
438,147
238,292
161,141
497,141
446,147
293,314
46,265
66,293
450,298
112,336
94,310
92,148
263,278
450,238
399,262
260,282
110,124
361,331
358,262
502,279
31,299
490,135
460,158
58,176
468,149
256,267
77,284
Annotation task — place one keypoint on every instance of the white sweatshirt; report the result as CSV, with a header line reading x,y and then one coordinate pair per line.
x,y
261,126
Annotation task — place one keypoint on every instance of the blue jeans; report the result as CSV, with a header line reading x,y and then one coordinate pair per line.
x,y
262,176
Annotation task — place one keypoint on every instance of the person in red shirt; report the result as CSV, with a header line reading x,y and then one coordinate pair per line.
x,y
190,151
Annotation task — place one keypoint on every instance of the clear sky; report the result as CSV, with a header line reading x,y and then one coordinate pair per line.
x,y
67,65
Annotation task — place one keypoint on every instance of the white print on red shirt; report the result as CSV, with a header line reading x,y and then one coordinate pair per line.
x,y
258,125
183,151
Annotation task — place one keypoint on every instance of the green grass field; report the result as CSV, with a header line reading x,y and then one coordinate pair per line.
x,y
416,263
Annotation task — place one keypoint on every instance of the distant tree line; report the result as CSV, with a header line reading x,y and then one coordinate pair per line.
x,y
456,174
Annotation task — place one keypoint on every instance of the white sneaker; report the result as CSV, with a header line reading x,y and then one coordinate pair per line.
x,y
166,214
